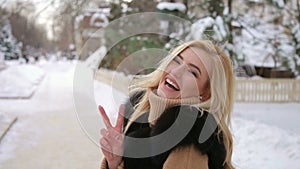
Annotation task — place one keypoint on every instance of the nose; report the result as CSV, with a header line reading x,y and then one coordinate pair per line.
x,y
178,70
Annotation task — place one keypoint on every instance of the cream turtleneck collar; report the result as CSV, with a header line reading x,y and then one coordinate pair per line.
x,y
159,104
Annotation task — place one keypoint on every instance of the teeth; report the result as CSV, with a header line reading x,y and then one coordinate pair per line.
x,y
171,83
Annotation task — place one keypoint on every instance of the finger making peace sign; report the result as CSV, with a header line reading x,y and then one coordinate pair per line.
x,y
111,141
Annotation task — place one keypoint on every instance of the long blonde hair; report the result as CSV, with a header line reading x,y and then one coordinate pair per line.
x,y
221,84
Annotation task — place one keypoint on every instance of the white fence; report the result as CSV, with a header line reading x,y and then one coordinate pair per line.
x,y
267,90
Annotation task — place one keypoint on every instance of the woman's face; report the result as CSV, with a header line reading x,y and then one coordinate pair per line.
x,y
186,76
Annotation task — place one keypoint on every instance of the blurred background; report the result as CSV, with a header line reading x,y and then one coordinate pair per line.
x,y
261,35
42,42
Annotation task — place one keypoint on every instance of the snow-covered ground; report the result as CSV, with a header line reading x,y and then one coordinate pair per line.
x,y
266,135
257,145
47,132
29,77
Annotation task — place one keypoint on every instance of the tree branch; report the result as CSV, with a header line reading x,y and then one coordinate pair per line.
x,y
50,3
266,40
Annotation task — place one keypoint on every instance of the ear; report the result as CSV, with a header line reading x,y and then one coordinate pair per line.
x,y
204,97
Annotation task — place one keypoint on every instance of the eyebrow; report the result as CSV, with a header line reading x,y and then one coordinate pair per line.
x,y
191,64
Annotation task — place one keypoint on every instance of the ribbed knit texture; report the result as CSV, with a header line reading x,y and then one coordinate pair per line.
x,y
159,104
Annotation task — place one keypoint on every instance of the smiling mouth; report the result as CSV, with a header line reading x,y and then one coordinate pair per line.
x,y
172,84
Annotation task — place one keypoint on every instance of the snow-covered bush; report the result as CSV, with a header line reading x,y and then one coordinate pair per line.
x,y
264,43
296,35
208,27
265,34
216,30
8,43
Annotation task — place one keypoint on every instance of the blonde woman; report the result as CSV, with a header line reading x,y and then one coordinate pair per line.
x,y
177,116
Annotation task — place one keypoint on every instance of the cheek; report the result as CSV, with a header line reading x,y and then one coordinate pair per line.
x,y
169,68
203,86
162,78
190,86
193,86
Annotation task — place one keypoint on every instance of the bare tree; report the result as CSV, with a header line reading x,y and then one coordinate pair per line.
x,y
24,26
27,31
63,21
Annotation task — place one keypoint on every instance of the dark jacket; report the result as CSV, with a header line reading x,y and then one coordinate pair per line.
x,y
185,121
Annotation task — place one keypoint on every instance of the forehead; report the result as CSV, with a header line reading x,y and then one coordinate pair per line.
x,y
198,57
195,54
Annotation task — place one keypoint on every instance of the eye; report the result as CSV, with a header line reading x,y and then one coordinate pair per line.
x,y
176,60
193,73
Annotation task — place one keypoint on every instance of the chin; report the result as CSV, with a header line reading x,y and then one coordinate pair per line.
x,y
163,94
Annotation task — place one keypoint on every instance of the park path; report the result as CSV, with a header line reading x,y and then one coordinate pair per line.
x,y
47,134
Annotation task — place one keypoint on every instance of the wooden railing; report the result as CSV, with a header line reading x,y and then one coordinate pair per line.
x,y
267,90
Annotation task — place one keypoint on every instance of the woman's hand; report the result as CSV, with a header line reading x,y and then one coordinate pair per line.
x,y
112,139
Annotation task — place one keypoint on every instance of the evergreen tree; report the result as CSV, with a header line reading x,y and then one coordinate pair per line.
x,y
8,43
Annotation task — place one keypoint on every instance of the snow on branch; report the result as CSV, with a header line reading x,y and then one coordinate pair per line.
x,y
99,20
171,6
200,28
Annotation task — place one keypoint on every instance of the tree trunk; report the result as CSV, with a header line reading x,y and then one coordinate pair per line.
x,y
230,38
298,7
216,7
185,2
229,6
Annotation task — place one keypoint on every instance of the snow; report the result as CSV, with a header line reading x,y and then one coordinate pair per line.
x,y
171,6
71,47
280,3
9,45
220,23
95,20
257,145
260,35
78,19
47,133
284,115
199,27
20,81
105,11
260,40
265,135
296,32
109,98
204,26
93,60
257,1
219,28
2,63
